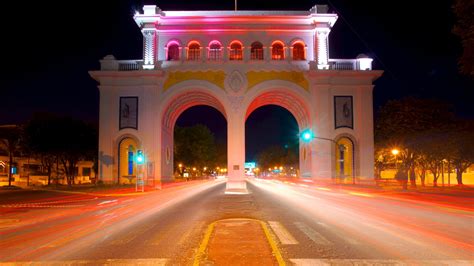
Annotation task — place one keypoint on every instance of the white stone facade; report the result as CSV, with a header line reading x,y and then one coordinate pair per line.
x,y
193,58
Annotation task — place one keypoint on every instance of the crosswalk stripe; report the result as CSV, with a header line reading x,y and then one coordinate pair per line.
x,y
283,235
369,262
312,234
141,262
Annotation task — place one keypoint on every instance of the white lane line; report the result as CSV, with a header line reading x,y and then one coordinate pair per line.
x,y
369,262
107,201
313,235
141,262
283,235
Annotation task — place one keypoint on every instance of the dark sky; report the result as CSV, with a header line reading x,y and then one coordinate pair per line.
x,y
48,49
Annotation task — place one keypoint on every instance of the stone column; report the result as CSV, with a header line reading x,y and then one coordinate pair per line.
x,y
107,117
322,148
166,156
236,152
365,125
267,53
322,48
246,53
149,48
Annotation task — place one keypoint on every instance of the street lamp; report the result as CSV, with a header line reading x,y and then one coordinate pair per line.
x,y
395,152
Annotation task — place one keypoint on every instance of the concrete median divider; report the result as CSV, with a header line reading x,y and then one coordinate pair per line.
x,y
238,241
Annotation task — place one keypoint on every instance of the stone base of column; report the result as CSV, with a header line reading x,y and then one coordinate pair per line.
x,y
236,187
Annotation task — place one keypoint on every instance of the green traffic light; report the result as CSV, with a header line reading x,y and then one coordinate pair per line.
x,y
140,158
307,135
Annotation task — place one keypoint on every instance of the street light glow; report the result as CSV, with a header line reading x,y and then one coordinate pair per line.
x,y
395,151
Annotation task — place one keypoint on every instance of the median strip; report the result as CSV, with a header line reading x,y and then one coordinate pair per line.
x,y
246,241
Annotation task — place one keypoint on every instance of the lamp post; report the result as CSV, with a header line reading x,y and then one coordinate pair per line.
x,y
395,152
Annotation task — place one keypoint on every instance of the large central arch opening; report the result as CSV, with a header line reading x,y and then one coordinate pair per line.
x,y
276,117
200,144
272,142
194,123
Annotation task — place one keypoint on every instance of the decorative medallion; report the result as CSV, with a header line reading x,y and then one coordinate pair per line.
x,y
236,81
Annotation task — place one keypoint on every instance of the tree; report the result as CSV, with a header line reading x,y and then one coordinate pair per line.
x,y
40,135
276,156
464,28
76,141
9,141
195,146
462,142
405,124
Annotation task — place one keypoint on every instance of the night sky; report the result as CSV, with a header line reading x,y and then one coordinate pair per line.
x,y
49,48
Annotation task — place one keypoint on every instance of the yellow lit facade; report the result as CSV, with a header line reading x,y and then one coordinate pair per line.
x,y
128,167
344,158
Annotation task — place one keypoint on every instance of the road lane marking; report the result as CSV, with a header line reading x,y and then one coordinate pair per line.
x,y
37,206
361,194
196,228
203,246
283,235
369,262
312,234
141,262
323,188
107,201
275,250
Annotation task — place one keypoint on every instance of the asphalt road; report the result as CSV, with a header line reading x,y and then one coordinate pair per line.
x,y
311,226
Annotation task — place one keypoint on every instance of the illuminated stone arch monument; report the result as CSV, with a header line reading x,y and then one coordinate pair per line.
x,y
236,62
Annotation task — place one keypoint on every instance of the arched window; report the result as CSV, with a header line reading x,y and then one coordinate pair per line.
x,y
277,51
298,51
256,51
235,51
194,51
344,157
127,167
173,52
215,51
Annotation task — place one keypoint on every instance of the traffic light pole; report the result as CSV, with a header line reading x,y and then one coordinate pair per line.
x,y
139,180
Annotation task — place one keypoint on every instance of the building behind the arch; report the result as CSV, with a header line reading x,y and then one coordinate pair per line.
x,y
236,62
